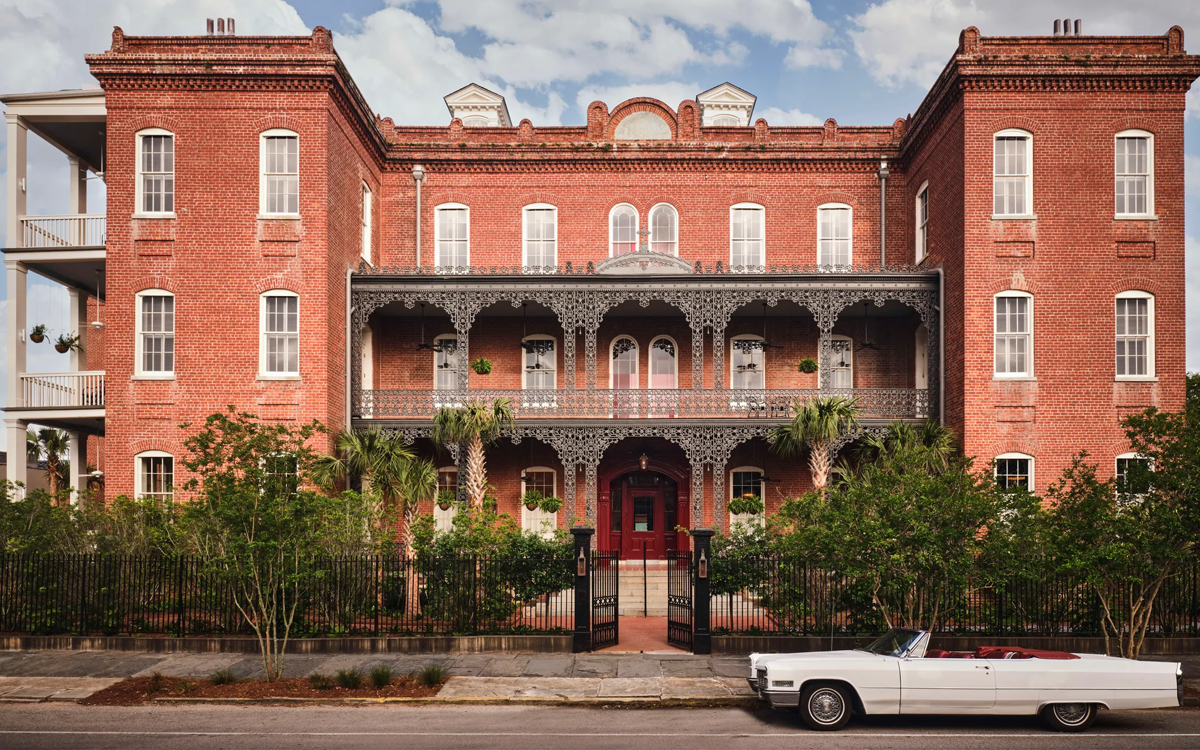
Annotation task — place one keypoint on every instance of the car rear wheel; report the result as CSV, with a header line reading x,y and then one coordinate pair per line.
x,y
825,707
1069,717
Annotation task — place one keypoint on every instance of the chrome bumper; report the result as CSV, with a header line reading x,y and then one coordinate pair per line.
x,y
781,698
753,683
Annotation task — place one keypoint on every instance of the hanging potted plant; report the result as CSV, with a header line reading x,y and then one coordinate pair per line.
x,y
66,343
748,504
37,334
482,366
551,504
532,499
808,365
446,499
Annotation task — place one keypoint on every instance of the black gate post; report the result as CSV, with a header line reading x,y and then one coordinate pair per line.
x,y
583,589
701,607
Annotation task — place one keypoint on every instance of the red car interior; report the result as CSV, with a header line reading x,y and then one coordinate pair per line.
x,y
999,652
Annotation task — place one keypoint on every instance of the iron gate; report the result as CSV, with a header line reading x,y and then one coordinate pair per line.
x,y
680,622
605,586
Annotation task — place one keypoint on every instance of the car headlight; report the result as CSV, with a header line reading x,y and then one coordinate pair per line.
x,y
781,683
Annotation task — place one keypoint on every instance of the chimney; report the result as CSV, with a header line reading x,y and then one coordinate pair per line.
x,y
210,26
229,26
220,27
1078,23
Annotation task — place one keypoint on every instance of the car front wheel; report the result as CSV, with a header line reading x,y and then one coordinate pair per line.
x,y
1069,717
825,707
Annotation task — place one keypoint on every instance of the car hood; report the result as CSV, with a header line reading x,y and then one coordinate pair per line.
x,y
758,660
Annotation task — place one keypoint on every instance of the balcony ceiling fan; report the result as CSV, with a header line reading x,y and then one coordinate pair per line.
x,y
437,346
866,339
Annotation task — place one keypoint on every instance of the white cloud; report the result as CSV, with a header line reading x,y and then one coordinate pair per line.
x,y
1192,176
777,116
670,93
910,41
807,57
1193,103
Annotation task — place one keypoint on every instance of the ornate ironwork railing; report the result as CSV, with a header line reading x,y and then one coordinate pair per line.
x,y
661,403
69,230
55,390
589,268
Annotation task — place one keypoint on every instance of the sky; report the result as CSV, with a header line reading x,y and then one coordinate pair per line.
x,y
861,63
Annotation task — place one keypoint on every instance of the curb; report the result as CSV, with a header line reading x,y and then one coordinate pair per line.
x,y
732,701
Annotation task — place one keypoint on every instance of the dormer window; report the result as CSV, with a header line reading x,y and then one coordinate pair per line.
x,y
477,107
725,106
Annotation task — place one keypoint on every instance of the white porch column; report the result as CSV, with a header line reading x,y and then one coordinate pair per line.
x,y
77,191
18,139
18,469
77,445
79,323
14,332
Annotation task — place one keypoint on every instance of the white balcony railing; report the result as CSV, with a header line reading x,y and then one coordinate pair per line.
x,y
56,390
71,230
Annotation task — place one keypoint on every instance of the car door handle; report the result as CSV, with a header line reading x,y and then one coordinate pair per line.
x,y
978,666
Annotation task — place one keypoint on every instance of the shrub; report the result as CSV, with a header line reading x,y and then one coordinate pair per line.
x,y
187,686
432,675
157,682
320,681
381,676
223,677
351,679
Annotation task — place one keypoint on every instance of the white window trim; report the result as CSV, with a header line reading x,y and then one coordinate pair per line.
x,y
524,370
921,363
554,482
650,362
921,236
434,365
139,490
650,225
525,227
1151,373
262,336
138,372
733,364
850,351
1015,133
262,173
1029,373
850,212
138,212
637,226
539,521
437,231
763,212
756,518
1137,133
637,361
1013,454
368,221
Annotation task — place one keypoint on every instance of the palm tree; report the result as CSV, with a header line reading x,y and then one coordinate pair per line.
x,y
931,441
818,422
418,484
53,444
375,456
476,425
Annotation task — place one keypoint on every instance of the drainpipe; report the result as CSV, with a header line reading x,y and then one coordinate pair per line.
x,y
419,177
349,349
883,175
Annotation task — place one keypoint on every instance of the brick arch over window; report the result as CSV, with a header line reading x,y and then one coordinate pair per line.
x,y
835,196
642,104
1134,283
1132,122
270,122
285,283
166,122
1012,122
1009,444
537,197
440,199
1012,282
167,445
748,196
154,281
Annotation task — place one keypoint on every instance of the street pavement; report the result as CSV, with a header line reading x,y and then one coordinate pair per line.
x,y
527,727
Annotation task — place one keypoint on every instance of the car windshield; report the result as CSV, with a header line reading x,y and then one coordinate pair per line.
x,y
895,642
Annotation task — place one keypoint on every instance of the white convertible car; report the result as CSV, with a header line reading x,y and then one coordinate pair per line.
x,y
900,674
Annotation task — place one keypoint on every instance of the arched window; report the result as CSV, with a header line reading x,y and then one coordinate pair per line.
x,y
747,363
1134,172
279,173
1014,334
921,356
922,221
1135,335
664,229
540,363
834,242
443,518
452,237
623,366
747,237
1012,174
744,481
544,480
843,362
155,475
445,362
155,342
279,334
1014,471
475,122
664,366
540,237
155,184
725,121
622,230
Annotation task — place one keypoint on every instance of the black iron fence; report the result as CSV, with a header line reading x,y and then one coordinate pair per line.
x,y
361,595
780,596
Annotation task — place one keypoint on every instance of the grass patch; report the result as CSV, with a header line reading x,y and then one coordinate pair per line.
x,y
320,681
157,683
432,675
381,676
350,679
223,677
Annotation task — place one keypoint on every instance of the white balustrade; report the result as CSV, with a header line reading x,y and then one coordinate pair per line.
x,y
53,390
69,230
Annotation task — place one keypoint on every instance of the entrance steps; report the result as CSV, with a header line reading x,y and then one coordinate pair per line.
x,y
637,598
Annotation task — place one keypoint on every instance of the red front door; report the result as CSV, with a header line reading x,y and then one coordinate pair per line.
x,y
643,521
641,507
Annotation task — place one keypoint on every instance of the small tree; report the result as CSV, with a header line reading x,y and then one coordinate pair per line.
x,y
253,522
54,445
476,426
818,422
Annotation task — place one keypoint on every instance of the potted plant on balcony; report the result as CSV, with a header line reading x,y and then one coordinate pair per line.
x,y
66,342
37,334
551,504
482,366
747,504
446,499
808,365
532,499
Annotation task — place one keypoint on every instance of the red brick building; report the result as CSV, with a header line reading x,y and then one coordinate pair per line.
x,y
1008,259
